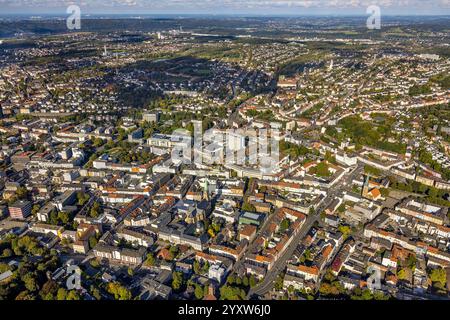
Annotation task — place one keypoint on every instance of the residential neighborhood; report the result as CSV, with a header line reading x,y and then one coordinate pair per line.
x,y
227,159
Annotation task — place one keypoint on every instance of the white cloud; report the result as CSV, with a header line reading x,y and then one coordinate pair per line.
x,y
183,5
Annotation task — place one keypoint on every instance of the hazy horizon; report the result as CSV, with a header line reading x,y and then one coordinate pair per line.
x,y
209,15
227,7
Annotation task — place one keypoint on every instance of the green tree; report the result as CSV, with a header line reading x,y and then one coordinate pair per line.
x,y
328,289
231,279
279,282
205,267
366,295
4,267
61,294
384,192
245,281
119,291
98,142
73,295
30,282
411,261
173,252
49,289
95,292
82,198
198,292
216,227
35,209
21,193
252,281
94,263
231,293
438,275
95,210
284,225
372,171
416,90
322,169
196,266
248,207
379,295
150,261
53,218
25,295
177,280
7,253
92,242
402,274
64,217
345,230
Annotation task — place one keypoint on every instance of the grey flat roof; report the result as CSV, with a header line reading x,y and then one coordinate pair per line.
x,y
251,215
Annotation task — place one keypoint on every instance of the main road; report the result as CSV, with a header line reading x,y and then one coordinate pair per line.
x,y
269,279
268,282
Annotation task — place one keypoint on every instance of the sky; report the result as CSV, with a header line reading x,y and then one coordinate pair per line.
x,y
225,7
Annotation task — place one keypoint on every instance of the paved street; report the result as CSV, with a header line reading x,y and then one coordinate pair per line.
x,y
268,282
